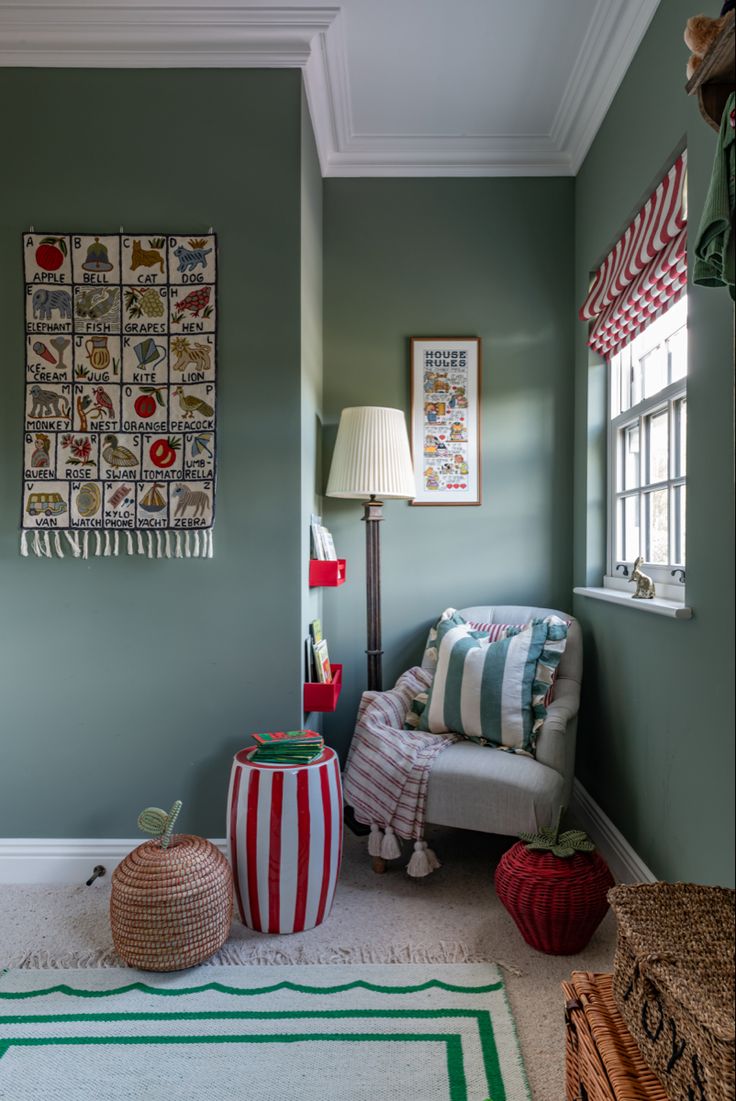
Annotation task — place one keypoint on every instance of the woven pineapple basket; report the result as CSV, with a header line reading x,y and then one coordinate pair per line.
x,y
171,907
674,984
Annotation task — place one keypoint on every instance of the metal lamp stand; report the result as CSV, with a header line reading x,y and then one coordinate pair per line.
x,y
373,515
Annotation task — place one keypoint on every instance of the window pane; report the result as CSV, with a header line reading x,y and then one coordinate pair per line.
x,y
635,391
615,380
628,529
680,526
654,371
677,351
659,447
658,527
631,457
681,422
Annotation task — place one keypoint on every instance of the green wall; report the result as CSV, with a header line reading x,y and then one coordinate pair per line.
x,y
128,682
658,748
485,257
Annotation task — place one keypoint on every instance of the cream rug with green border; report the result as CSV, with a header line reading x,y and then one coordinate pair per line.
x,y
272,1033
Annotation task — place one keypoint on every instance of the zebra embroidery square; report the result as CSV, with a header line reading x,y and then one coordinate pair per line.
x,y
120,433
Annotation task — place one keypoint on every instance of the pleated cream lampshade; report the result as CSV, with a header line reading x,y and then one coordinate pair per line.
x,y
372,456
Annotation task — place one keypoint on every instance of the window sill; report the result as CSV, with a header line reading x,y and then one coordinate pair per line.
x,y
656,606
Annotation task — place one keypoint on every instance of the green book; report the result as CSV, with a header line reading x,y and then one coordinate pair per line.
x,y
287,738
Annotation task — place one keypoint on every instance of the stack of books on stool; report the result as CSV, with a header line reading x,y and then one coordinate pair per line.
x,y
287,747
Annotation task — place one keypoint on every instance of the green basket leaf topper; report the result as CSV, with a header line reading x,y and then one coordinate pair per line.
x,y
157,822
549,839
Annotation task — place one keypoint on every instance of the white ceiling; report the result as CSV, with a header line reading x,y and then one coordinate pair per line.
x,y
395,87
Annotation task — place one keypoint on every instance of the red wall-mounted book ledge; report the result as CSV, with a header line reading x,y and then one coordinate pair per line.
x,y
326,573
323,697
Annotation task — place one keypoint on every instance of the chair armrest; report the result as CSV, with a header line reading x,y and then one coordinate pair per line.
x,y
556,741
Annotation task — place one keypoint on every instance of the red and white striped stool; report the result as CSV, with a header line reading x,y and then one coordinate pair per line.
x,y
285,841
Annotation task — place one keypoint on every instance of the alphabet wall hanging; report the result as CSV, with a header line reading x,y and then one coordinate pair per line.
x,y
120,396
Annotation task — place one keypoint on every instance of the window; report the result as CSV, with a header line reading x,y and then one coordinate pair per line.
x,y
648,451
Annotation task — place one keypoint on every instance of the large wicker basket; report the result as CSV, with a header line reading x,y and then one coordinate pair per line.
x,y
602,1061
674,983
171,908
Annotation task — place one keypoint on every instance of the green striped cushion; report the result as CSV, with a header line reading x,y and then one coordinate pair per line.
x,y
492,692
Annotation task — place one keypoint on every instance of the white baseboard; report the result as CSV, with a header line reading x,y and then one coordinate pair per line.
x,y
50,861
626,866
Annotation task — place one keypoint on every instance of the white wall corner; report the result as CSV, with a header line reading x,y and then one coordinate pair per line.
x,y
625,864
328,92
55,862
612,39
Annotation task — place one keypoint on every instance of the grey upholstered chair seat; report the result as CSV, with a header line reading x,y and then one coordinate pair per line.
x,y
485,789
479,788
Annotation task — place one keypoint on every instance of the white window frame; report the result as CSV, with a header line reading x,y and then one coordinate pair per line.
x,y
669,578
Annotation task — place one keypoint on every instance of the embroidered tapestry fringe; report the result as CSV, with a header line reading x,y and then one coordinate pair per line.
x,y
47,544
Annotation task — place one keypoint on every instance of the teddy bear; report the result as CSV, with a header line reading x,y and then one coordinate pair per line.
x,y
700,32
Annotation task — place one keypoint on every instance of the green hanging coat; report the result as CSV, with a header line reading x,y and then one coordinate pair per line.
x,y
714,248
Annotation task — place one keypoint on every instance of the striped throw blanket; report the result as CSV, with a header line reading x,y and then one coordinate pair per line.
x,y
388,769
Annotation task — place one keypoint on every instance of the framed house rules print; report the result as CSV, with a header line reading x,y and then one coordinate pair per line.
x,y
445,419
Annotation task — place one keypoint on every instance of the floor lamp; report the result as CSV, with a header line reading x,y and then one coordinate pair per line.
x,y
372,460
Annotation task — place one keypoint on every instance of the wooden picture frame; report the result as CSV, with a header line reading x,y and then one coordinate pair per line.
x,y
445,419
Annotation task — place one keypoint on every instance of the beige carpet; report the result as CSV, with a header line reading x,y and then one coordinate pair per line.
x,y
452,916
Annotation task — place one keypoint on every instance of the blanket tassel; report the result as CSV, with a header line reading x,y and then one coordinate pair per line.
x,y
23,544
390,848
423,861
375,839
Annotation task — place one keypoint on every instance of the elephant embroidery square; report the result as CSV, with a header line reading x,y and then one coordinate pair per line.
x,y
120,411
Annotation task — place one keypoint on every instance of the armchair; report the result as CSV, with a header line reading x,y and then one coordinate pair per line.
x,y
397,779
477,788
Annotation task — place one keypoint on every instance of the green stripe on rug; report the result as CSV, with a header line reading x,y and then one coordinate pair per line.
x,y
300,988
449,1037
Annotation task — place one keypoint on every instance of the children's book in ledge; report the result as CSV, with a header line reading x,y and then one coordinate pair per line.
x,y
322,662
329,546
316,529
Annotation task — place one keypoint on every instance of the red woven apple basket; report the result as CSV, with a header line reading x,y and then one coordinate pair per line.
x,y
557,902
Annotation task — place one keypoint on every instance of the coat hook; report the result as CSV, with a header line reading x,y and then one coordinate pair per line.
x,y
97,872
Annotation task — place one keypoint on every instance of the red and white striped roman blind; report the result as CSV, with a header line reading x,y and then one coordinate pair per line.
x,y
645,271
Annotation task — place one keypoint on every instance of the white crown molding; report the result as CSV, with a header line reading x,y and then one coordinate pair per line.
x,y
53,861
227,34
167,34
419,155
611,41
625,864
